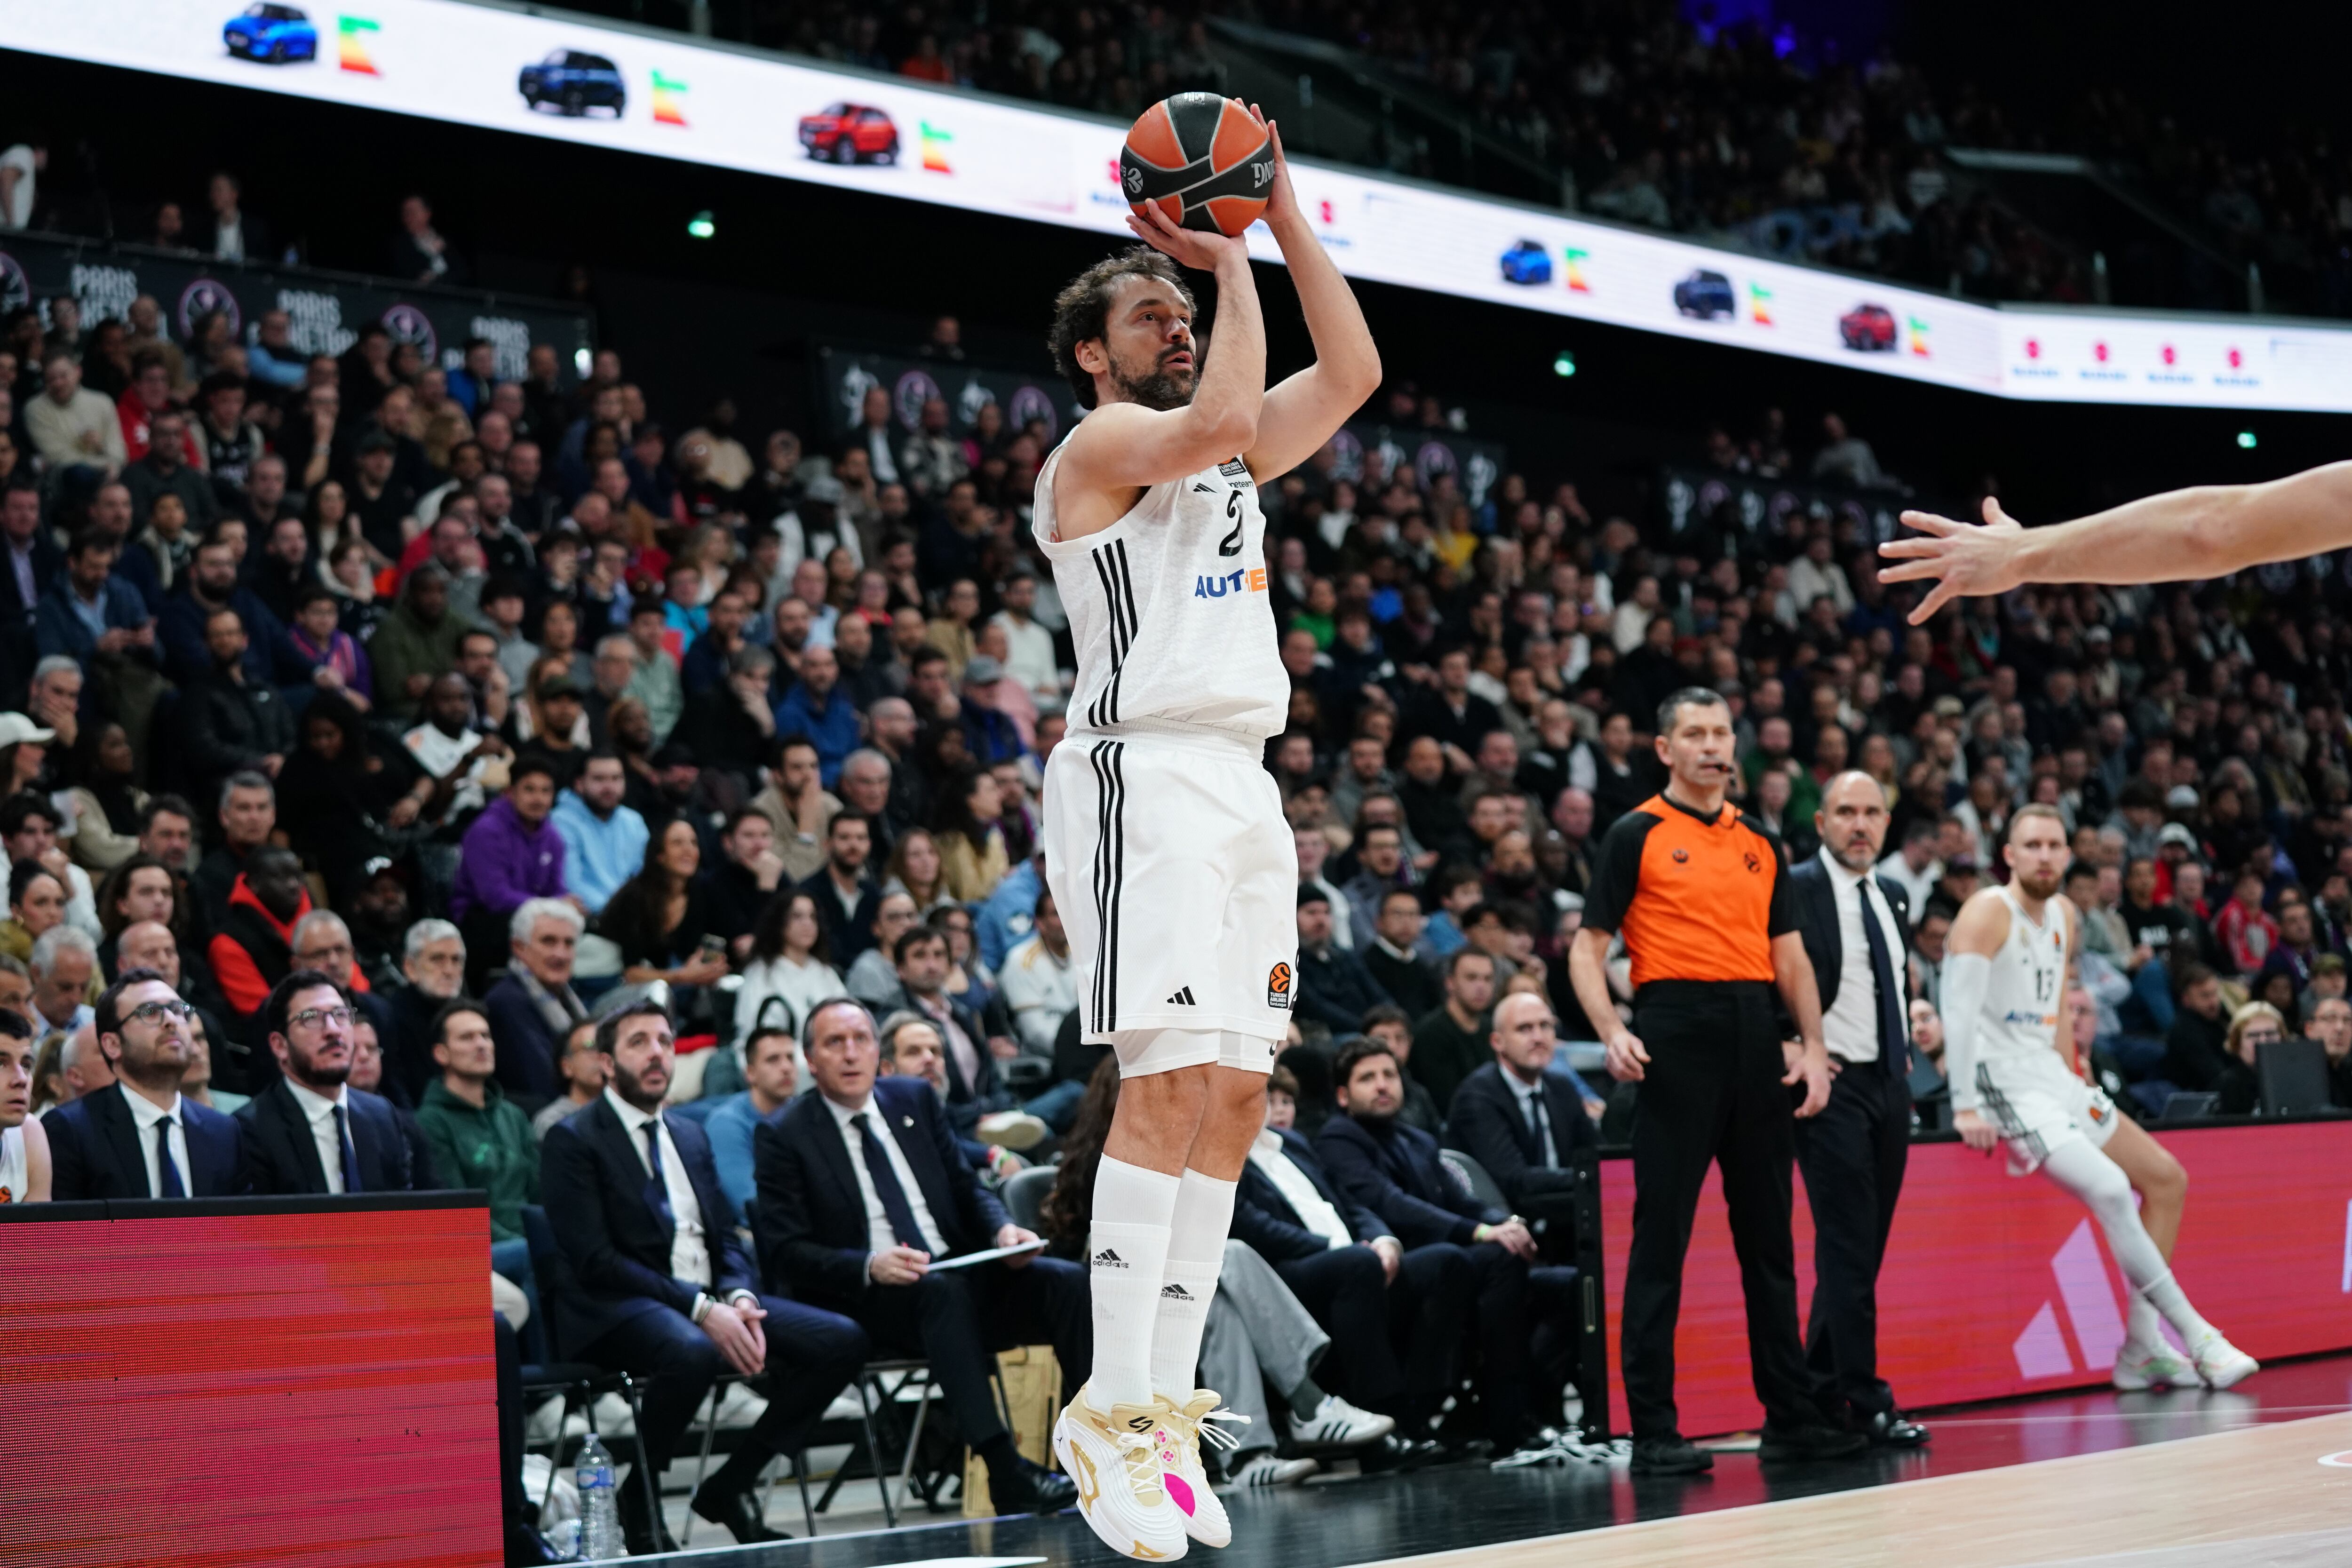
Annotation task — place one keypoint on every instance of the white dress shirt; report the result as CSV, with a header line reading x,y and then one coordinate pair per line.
x,y
690,1253
1850,1027
147,1113
319,1112
879,1237
1270,1157
1526,1095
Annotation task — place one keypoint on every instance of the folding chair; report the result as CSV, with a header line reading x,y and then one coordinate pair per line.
x,y
798,1458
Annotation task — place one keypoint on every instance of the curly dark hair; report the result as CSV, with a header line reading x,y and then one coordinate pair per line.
x,y
1082,310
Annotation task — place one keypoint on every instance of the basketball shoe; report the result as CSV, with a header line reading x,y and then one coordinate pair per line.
x,y
1189,1487
1120,1460
2152,1366
2222,1363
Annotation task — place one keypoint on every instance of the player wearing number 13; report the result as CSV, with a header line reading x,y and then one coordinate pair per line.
x,y
1165,843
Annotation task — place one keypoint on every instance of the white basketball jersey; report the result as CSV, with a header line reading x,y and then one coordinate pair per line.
x,y
1170,612
2028,984
15,1173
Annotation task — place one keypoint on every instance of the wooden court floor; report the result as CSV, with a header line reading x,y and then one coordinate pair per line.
x,y
2272,1496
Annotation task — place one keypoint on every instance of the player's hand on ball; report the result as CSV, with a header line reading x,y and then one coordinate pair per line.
x,y
1281,201
1962,559
1626,1057
1976,1131
1192,248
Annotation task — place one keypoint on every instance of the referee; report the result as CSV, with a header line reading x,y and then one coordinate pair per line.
x,y
1701,893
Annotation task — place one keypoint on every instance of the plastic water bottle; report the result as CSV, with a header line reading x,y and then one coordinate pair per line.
x,y
600,1517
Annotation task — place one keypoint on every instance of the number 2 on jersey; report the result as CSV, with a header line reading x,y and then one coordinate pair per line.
x,y
1232,543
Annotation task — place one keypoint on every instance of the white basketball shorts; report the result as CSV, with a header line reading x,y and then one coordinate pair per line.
x,y
2039,1105
1173,870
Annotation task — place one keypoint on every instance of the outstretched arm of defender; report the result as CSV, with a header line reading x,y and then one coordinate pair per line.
x,y
1126,446
2187,535
1303,412
1974,937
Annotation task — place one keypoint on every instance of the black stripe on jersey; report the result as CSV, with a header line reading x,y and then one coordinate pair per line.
x,y
1119,594
1111,874
1134,624
1101,870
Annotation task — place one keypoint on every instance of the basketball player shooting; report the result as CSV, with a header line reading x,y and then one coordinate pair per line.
x,y
2187,535
2007,971
1166,848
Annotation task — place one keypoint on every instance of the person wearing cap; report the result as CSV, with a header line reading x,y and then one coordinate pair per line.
x,y
989,732
383,498
1334,988
813,529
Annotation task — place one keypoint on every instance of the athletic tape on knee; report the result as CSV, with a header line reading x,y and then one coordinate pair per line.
x,y
1966,976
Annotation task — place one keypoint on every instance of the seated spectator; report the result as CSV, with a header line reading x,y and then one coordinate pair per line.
x,y
1931,1096
858,1234
604,840
103,802
450,752
532,1008
308,1131
846,897
771,1077
69,1065
1333,988
322,941
585,1073
248,815
972,855
511,854
816,706
1394,1171
1450,1044
1526,1119
873,979
182,1149
350,798
797,806
37,905
1038,985
338,661
975,1091
253,947
24,1146
28,831
1390,1027
433,969
65,977
197,1083
916,871
1391,959
96,619
789,971
415,643
731,723
477,1138
2331,1025
150,944
232,725
912,1048
2251,1026
664,1288
657,918
2197,1052
655,681
743,882
990,733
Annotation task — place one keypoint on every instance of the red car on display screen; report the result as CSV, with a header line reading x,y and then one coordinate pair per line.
x,y
1868,329
850,133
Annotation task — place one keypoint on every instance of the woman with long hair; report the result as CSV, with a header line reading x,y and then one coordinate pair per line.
x,y
350,576
656,919
36,903
915,871
23,764
104,801
790,970
559,638
141,889
972,857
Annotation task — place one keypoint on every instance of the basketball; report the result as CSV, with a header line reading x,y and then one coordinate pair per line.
x,y
1204,158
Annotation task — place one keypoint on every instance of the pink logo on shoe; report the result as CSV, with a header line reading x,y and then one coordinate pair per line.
x,y
1180,1492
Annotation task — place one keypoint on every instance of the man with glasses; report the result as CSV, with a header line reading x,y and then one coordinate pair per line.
x,y
311,1131
138,1137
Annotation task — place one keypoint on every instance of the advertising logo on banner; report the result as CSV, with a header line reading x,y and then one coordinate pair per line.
x,y
845,375
1696,499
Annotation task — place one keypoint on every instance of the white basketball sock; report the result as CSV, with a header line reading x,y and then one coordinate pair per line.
x,y
1127,1256
1196,1255
2106,1191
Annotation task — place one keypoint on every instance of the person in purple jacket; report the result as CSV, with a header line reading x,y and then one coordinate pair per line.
x,y
510,854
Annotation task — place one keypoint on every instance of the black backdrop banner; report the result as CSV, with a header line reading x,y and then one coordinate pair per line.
x,y
1694,497
327,309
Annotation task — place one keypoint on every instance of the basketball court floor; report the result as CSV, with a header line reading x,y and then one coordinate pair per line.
x,y
2256,1477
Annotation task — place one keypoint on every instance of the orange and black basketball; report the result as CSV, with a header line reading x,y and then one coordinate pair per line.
x,y
1205,159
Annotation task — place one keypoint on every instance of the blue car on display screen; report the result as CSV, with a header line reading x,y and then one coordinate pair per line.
x,y
1706,295
265,31
573,82
1527,262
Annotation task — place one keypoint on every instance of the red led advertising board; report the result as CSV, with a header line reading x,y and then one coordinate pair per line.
x,y
1997,1286
220,1388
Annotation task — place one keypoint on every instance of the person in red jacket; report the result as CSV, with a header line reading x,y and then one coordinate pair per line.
x,y
253,949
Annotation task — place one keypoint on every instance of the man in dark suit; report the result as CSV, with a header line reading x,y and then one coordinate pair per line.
x,y
532,1009
661,1284
1389,957
138,1138
974,1087
1394,1171
1854,922
310,1132
862,1193
1524,1119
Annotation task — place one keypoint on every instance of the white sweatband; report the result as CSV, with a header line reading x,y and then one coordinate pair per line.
x,y
1965,977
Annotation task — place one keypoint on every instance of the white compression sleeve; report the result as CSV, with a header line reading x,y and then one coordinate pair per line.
x,y
2106,1191
1965,979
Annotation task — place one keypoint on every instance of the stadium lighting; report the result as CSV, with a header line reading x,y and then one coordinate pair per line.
x,y
700,225
2246,440
1563,364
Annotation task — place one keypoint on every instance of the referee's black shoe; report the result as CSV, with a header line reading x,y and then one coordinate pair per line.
x,y
1809,1442
1893,1430
1672,1456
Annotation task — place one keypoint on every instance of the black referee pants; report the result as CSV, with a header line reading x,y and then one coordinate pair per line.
x,y
1712,1094
1853,1156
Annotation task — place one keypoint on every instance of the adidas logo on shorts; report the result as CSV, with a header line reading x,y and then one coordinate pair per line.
x,y
1183,998
1106,1258
1171,1291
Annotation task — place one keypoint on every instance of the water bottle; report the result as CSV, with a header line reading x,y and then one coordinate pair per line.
x,y
600,1518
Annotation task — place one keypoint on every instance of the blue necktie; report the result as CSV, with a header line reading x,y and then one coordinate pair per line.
x,y
1894,1039
657,1190
350,1155
169,1168
887,1187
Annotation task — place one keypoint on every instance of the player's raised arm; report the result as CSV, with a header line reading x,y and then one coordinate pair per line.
x,y
2207,531
1155,432
1302,412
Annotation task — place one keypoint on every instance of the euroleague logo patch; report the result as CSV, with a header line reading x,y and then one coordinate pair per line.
x,y
1278,986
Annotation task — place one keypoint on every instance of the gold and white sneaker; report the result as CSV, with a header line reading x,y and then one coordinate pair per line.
x,y
1120,1458
1189,1487
2155,1366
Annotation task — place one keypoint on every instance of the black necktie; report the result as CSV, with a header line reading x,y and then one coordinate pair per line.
x,y
657,1190
1894,1038
350,1155
1545,1156
168,1167
887,1187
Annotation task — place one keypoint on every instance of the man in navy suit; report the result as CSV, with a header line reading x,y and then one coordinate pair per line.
x,y
661,1284
138,1138
310,1132
1525,1121
862,1192
1393,1170
1853,1153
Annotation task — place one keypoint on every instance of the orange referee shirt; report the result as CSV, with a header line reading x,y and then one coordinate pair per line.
x,y
1697,898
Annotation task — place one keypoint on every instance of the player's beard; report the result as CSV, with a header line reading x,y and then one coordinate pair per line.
x,y
1161,387
2038,891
